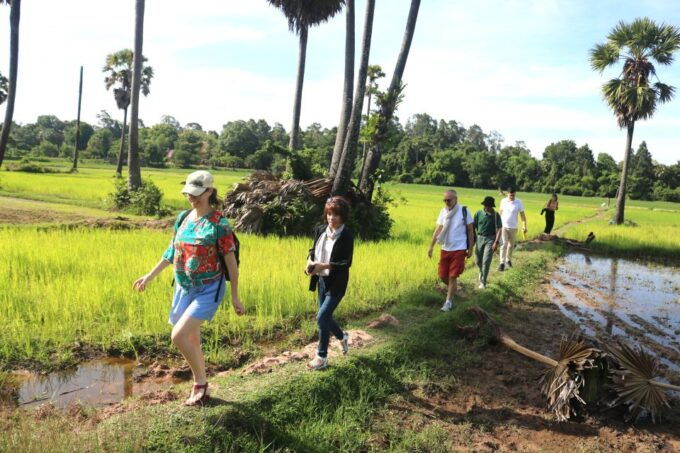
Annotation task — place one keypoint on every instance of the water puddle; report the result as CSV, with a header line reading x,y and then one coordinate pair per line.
x,y
96,383
614,298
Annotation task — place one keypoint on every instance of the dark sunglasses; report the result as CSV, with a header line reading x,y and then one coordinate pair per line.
x,y
446,200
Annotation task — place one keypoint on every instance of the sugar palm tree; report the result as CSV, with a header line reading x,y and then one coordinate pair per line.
x,y
633,95
387,108
301,15
347,89
14,18
119,75
134,168
342,180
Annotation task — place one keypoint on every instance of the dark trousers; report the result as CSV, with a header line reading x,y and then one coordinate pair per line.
x,y
328,302
549,221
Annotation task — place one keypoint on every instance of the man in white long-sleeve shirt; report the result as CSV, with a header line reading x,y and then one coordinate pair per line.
x,y
511,207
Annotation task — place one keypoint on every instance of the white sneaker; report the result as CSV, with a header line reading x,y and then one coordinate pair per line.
x,y
447,306
481,286
344,343
318,363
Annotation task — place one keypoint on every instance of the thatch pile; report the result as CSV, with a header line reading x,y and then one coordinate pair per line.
x,y
585,377
265,203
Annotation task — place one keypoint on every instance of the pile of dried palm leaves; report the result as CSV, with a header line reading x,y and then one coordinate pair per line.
x,y
585,377
265,203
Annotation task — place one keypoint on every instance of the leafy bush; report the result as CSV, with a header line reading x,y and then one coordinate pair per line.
x,y
30,167
372,221
147,200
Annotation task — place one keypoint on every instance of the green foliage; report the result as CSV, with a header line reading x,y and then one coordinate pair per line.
x,y
47,149
30,167
147,200
99,145
372,221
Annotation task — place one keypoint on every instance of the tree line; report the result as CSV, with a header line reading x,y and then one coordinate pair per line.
x,y
423,150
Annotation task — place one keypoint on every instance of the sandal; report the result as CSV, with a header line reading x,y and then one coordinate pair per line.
x,y
204,397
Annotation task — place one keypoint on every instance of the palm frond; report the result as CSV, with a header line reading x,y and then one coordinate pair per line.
x,y
307,13
668,42
633,377
664,92
562,384
604,55
620,35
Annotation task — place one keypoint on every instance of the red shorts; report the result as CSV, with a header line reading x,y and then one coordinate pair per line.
x,y
451,264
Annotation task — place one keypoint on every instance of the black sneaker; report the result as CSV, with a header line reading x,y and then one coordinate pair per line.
x,y
509,263
501,267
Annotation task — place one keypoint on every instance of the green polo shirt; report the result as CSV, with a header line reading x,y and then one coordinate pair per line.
x,y
484,223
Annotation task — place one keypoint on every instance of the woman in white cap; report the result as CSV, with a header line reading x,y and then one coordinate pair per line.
x,y
203,244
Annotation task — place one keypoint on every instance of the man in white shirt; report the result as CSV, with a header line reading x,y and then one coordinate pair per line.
x,y
454,233
510,208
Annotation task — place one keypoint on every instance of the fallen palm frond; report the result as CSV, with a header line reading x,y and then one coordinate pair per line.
x,y
633,379
577,379
562,383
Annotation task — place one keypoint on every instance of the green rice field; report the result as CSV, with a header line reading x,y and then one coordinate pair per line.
x,y
62,287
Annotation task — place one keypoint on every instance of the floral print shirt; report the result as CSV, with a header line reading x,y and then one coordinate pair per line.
x,y
194,250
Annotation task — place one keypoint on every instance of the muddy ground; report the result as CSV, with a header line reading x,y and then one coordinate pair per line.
x,y
499,407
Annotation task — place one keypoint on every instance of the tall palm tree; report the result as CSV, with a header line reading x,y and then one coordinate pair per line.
x,y
301,15
343,177
119,73
387,108
134,169
14,17
632,95
347,89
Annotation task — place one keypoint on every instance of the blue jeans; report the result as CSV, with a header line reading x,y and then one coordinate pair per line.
x,y
324,318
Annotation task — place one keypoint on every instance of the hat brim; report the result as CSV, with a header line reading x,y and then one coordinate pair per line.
x,y
491,205
190,189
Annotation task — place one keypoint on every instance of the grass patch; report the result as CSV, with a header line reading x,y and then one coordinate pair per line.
x,y
648,233
295,410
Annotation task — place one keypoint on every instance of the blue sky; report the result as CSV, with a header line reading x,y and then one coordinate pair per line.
x,y
516,66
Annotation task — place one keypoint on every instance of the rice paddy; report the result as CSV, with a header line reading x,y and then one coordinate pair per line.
x,y
61,289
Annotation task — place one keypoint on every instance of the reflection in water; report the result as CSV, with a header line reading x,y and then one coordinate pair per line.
x,y
623,299
613,273
96,383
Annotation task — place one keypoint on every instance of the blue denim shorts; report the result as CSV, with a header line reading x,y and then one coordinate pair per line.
x,y
198,302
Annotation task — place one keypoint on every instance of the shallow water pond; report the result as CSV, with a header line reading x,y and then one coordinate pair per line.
x,y
95,383
620,299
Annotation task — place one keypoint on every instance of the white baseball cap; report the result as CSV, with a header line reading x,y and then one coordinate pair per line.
x,y
198,182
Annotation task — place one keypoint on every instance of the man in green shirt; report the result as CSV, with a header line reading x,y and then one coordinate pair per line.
x,y
488,227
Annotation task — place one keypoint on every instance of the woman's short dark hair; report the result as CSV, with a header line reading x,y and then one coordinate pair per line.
x,y
554,194
338,206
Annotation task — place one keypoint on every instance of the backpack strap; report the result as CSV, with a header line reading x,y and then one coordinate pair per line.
x,y
467,238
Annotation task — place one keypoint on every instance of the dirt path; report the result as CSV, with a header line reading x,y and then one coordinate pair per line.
x,y
600,214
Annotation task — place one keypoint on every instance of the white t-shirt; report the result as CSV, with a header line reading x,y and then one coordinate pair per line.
x,y
457,237
509,212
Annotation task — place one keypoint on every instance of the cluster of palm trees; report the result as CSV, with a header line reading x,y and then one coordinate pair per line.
x,y
303,14
125,70
633,95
